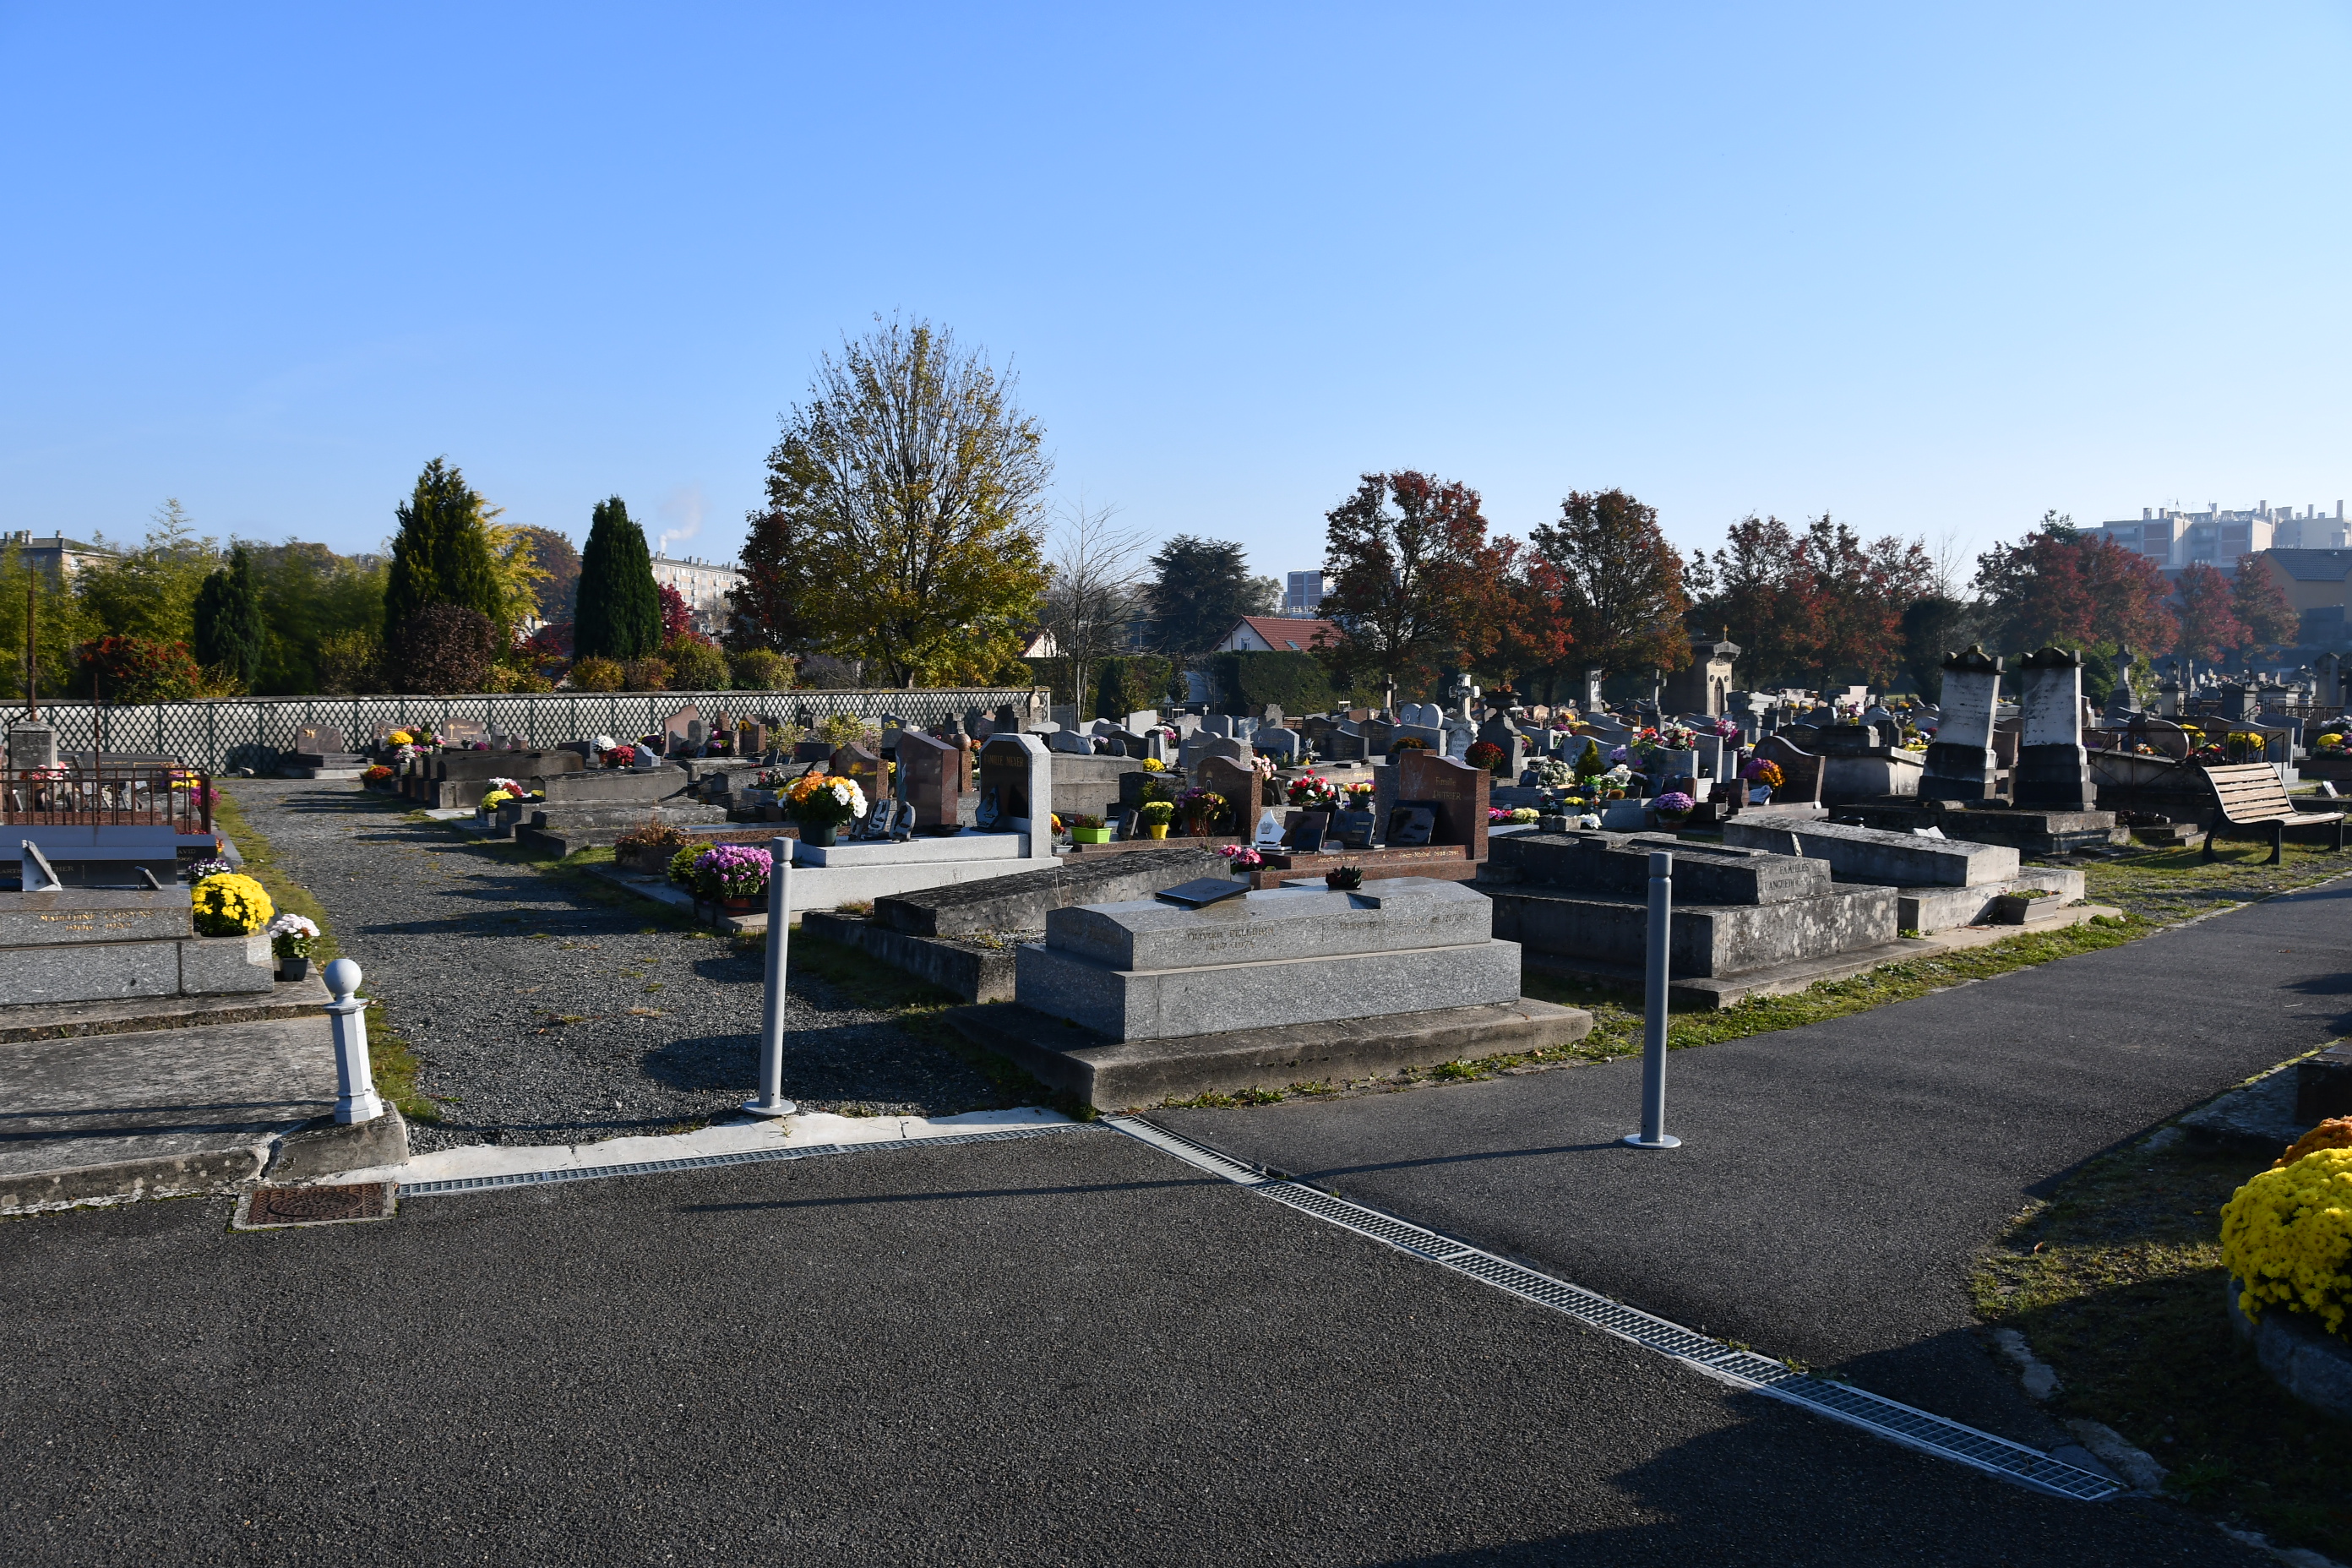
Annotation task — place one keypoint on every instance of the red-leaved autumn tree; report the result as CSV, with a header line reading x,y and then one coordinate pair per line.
x,y
1620,584
2261,606
2208,629
2060,587
1411,581
1814,603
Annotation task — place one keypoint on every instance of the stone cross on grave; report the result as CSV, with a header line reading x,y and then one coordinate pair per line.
x,y
1466,694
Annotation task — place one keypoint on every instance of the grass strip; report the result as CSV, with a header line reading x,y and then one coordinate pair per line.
x,y
396,1066
2117,1282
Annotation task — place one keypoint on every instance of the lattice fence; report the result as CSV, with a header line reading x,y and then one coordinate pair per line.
x,y
258,733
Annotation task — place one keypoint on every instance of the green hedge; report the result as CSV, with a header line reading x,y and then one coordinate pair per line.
x,y
1246,682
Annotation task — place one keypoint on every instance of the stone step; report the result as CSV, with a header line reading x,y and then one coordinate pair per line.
x,y
1115,1076
57,1021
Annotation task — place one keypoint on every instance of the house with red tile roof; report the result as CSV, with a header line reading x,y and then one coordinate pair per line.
x,y
1275,634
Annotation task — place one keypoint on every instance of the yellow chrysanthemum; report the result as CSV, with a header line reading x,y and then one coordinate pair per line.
x,y
229,904
2286,1237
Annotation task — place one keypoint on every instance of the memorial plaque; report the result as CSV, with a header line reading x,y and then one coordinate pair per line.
x,y
1353,829
1308,837
1204,891
319,740
463,732
1411,823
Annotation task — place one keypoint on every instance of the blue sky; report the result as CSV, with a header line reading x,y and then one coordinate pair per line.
x,y
1933,270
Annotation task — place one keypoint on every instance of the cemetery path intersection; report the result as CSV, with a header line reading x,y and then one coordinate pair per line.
x,y
1065,1349
1836,1181
544,1017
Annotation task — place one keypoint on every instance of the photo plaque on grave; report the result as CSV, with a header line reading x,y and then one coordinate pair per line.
x,y
1411,822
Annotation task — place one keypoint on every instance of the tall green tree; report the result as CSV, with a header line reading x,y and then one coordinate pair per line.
x,y
619,614
231,635
443,554
149,590
912,486
1198,589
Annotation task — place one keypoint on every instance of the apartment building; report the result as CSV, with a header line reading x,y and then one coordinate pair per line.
x,y
2175,539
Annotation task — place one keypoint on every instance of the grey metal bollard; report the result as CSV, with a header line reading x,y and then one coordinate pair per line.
x,y
355,1096
772,1100
1654,1134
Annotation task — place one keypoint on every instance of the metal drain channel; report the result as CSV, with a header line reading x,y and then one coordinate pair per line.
x,y
713,1162
1880,1416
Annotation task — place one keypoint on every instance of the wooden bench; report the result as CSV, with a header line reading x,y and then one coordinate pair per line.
x,y
2248,795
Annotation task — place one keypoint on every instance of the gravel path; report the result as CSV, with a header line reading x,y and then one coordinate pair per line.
x,y
543,1016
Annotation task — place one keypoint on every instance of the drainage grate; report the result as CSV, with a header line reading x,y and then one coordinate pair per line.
x,y
1882,1417
714,1161
277,1208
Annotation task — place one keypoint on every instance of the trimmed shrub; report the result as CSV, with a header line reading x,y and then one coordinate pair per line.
x,y
138,670
760,669
1246,682
1130,682
444,649
593,673
647,674
694,665
505,678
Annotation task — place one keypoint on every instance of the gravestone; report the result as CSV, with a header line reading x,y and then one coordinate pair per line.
x,y
2328,687
1143,719
1217,724
1272,717
1589,702
2053,772
932,772
1960,761
1016,790
1801,771
463,732
1069,742
1460,792
1238,782
976,726
32,746
1283,744
856,760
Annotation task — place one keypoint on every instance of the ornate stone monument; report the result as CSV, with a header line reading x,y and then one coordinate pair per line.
x,y
2052,773
1960,763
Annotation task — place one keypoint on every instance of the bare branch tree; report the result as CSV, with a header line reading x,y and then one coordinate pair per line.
x,y
1096,577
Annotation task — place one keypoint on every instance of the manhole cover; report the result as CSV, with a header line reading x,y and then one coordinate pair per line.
x,y
270,1207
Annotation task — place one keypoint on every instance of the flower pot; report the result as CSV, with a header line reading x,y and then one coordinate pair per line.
x,y
1155,830
821,836
1089,835
743,906
293,968
2008,910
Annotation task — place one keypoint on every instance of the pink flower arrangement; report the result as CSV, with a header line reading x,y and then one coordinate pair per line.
x,y
733,871
1242,858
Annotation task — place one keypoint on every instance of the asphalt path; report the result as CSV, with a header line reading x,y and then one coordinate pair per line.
x,y
1835,1181
1069,1349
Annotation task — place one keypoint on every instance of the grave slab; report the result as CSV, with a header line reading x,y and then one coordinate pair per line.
x,y
1115,1075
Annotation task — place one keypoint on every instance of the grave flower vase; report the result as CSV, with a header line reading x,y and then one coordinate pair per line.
x,y
1090,835
741,906
1155,829
820,833
293,968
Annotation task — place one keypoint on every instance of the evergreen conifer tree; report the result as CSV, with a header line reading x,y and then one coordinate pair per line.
x,y
231,633
442,553
619,614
